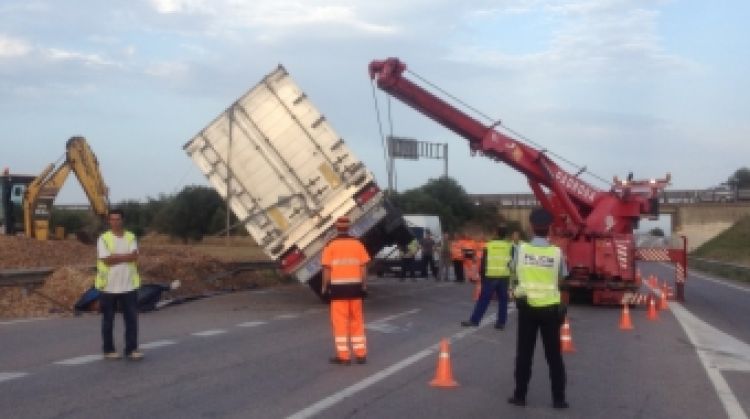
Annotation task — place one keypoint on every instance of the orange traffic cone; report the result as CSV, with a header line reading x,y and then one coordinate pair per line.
x,y
443,374
663,305
652,314
566,339
625,322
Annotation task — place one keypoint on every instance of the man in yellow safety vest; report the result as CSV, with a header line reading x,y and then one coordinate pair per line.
x,y
118,281
495,273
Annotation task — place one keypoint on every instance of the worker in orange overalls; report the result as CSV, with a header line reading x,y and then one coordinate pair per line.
x,y
469,252
344,263
479,244
457,258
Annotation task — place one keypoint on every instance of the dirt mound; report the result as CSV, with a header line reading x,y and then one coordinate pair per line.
x,y
22,252
198,274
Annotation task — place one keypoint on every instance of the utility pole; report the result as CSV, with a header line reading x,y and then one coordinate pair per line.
x,y
229,173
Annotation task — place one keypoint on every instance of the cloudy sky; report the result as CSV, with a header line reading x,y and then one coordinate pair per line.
x,y
647,86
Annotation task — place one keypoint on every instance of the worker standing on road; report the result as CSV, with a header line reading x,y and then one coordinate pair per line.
x,y
408,259
117,279
495,274
344,263
457,258
428,256
540,267
445,258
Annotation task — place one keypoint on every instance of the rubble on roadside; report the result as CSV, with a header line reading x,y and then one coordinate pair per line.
x,y
199,274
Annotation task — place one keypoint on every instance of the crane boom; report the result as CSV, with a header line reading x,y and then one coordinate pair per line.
x,y
594,227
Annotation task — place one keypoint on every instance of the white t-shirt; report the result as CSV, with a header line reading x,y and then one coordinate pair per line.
x,y
119,275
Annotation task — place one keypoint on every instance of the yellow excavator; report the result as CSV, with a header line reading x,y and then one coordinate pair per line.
x,y
41,192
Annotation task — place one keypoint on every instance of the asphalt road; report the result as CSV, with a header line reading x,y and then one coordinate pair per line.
x,y
263,354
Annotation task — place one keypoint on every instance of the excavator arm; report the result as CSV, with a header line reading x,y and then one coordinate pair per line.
x,y
42,191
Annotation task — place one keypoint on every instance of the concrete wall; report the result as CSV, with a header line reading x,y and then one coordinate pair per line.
x,y
699,222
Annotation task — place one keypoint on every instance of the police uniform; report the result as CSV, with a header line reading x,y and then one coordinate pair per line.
x,y
538,266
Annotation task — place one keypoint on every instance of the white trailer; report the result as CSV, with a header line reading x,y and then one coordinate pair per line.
x,y
289,176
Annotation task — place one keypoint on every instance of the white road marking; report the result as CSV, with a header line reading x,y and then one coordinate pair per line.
x,y
331,400
35,319
251,324
395,316
7,376
80,360
207,333
286,316
382,325
157,344
720,282
717,351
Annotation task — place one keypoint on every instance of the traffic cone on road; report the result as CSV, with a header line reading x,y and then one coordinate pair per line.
x,y
443,374
625,322
566,339
663,305
652,314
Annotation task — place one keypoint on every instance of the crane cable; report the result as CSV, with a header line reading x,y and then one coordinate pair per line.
x,y
497,122
380,130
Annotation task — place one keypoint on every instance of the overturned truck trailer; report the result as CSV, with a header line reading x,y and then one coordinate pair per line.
x,y
288,176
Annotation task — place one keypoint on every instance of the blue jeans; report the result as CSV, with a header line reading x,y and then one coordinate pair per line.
x,y
490,286
129,303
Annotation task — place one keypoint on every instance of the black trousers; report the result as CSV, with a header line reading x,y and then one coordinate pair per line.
x,y
458,269
407,267
129,303
428,262
548,321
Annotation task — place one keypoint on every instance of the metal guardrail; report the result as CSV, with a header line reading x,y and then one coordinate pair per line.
x,y
24,277
711,262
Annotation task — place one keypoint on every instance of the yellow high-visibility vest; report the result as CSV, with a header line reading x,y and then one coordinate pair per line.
x,y
102,270
538,269
498,258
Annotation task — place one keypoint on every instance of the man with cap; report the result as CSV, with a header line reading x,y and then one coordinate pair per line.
x,y
539,267
344,264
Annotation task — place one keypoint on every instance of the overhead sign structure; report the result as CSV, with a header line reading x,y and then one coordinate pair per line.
x,y
412,149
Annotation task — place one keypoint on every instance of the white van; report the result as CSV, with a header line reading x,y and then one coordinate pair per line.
x,y
388,260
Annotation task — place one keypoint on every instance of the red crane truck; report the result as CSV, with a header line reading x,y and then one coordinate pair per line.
x,y
593,227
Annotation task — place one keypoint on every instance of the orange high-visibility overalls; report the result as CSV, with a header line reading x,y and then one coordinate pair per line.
x,y
346,258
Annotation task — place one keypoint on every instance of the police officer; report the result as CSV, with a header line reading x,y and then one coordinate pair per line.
x,y
344,263
495,274
539,267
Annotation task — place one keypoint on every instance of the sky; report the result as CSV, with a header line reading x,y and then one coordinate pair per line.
x,y
648,86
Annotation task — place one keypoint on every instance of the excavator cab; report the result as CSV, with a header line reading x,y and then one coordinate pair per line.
x,y
12,189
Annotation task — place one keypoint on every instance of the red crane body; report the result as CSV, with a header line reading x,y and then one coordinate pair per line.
x,y
593,227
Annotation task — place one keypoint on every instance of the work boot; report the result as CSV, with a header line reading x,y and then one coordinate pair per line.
x,y
469,323
517,401
338,361
112,355
135,355
361,360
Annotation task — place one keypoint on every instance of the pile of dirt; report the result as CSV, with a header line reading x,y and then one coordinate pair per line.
x,y
199,274
22,252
